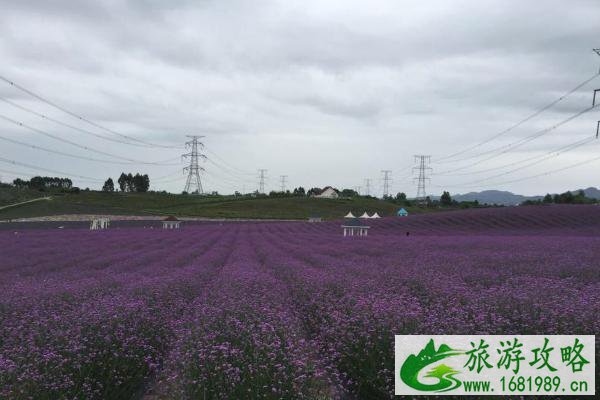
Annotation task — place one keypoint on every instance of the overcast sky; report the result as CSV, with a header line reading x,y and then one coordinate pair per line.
x,y
325,92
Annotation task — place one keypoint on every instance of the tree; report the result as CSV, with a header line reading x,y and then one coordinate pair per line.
x,y
401,197
313,191
446,199
547,199
299,191
122,182
109,186
349,193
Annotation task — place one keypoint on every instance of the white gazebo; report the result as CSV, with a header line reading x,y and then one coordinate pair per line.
x,y
171,223
375,215
349,215
99,223
365,215
355,227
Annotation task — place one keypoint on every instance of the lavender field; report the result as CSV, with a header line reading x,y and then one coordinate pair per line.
x,y
280,310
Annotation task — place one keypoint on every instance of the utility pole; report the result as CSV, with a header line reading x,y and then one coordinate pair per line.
x,y
193,179
386,182
283,178
367,187
423,168
261,180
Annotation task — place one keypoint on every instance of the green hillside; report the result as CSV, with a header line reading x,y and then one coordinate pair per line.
x,y
197,206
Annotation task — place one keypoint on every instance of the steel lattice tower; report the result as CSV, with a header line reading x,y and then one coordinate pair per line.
x,y
261,180
386,182
423,162
368,187
283,183
193,179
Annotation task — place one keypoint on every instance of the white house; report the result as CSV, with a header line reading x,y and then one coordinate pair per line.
x,y
327,193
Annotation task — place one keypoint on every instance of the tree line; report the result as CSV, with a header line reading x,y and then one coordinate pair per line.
x,y
44,182
563,198
128,183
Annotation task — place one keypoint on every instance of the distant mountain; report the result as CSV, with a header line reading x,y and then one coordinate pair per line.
x,y
511,199
494,197
592,192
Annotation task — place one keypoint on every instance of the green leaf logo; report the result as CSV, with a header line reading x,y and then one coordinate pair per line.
x,y
429,355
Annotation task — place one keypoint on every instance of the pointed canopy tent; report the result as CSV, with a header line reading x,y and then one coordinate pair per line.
x,y
375,215
402,213
365,215
349,215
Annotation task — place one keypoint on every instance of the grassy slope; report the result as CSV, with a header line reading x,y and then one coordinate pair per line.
x,y
180,205
10,195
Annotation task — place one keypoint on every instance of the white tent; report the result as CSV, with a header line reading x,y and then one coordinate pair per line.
x,y
365,215
349,215
375,216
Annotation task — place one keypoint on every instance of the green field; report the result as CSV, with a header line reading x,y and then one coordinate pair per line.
x,y
10,195
195,206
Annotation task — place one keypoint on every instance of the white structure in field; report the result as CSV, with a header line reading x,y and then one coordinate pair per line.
x,y
349,215
375,215
327,193
315,218
365,215
171,223
355,227
99,223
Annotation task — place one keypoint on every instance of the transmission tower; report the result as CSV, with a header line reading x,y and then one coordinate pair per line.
x,y
597,52
261,180
358,189
386,182
367,187
283,178
423,168
193,179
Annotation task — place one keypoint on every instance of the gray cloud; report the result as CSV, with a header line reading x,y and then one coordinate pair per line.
x,y
325,92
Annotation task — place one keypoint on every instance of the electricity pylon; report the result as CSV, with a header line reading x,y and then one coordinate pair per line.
x,y
193,179
423,162
261,180
386,182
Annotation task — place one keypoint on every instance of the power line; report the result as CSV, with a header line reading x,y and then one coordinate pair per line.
x,y
545,173
33,146
521,122
229,166
193,169
58,138
561,149
547,157
78,116
516,144
82,177
85,131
